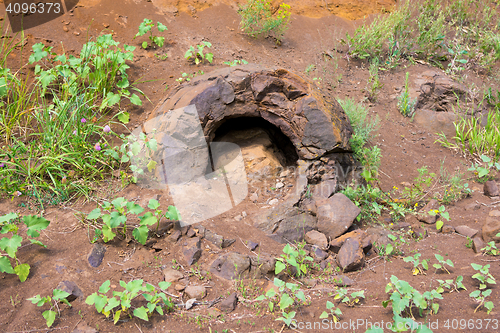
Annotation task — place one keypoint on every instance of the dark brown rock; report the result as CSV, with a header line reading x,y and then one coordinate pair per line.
x,y
174,237
314,123
197,292
490,188
229,303
96,255
447,229
71,288
262,266
436,122
350,256
343,281
491,228
362,237
172,275
424,216
231,266
335,215
467,231
418,232
438,92
317,238
191,248
478,244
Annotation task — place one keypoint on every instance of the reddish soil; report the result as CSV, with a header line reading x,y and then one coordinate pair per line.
x,y
314,31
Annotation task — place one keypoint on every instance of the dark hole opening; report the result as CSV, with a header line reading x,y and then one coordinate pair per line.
x,y
280,140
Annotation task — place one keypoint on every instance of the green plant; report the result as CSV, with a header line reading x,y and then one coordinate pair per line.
x,y
418,266
350,300
287,296
469,242
451,285
404,297
50,314
482,172
491,248
367,198
188,77
236,62
442,213
480,297
196,53
257,18
118,210
293,257
405,104
333,311
147,26
373,84
10,245
483,275
156,301
442,263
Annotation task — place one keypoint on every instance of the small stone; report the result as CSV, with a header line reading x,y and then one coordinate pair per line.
x,y
447,229
472,206
466,231
174,237
254,197
185,229
238,218
273,202
83,327
76,33
490,189
252,245
424,216
279,185
244,214
96,255
478,244
191,233
192,250
317,238
351,256
180,286
361,236
335,215
343,281
403,226
491,228
105,25
227,242
318,253
419,232
65,28
284,173
189,303
197,292
71,288
229,304
172,275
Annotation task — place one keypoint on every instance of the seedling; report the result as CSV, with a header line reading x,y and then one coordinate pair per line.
x,y
452,286
480,297
157,301
349,300
430,296
403,297
288,294
491,248
57,296
12,244
405,104
188,77
442,263
483,275
293,257
482,172
418,267
236,62
332,311
147,26
196,53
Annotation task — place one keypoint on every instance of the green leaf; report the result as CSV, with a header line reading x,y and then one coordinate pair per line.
x,y
153,204
22,271
164,285
116,317
489,305
173,214
144,27
123,83
49,316
38,53
112,303
104,288
35,224
439,257
475,293
11,216
151,165
209,57
5,266
141,234
439,224
36,300
388,249
144,45
141,313
374,329
148,219
324,315
425,265
124,117
280,266
159,41
95,214
10,245
285,301
59,294
161,27
134,99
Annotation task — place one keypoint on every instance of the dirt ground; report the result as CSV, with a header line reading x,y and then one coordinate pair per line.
x,y
313,39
